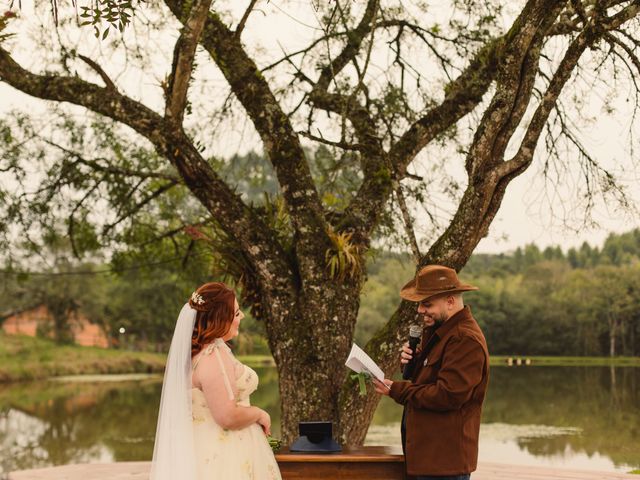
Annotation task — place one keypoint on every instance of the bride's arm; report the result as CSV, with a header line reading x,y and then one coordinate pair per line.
x,y
220,393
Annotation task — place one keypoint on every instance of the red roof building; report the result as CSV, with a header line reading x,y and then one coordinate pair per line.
x,y
31,321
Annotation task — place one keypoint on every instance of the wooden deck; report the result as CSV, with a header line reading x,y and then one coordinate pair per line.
x,y
140,471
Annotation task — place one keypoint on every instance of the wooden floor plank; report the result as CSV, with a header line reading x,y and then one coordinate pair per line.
x,y
140,471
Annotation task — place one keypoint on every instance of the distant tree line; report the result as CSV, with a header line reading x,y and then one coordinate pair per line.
x,y
582,302
585,302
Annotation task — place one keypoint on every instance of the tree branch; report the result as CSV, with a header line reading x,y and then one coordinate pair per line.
x,y
215,195
105,78
351,49
71,224
244,18
525,152
462,96
95,165
376,169
136,208
183,55
343,145
60,88
466,92
481,199
514,86
280,141
408,224
623,16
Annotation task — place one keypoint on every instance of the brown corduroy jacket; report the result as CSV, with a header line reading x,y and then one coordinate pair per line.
x,y
443,401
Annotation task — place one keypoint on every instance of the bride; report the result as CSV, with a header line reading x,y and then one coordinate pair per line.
x,y
207,428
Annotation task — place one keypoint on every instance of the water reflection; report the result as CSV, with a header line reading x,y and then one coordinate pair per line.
x,y
571,416
603,402
55,424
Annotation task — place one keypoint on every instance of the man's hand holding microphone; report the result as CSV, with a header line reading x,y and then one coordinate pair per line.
x,y
407,353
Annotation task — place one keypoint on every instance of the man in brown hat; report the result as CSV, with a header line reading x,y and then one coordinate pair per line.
x,y
443,400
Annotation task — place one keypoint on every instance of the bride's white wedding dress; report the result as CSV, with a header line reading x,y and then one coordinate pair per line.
x,y
230,454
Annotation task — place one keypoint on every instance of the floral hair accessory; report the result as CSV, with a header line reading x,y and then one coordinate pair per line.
x,y
197,298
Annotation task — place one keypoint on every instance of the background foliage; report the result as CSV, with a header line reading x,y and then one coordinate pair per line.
x,y
531,301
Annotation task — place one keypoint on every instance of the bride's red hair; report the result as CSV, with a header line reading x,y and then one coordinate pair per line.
x,y
215,304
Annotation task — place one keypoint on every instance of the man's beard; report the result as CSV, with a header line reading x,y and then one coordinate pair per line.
x,y
437,323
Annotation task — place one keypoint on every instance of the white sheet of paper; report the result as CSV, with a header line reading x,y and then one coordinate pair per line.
x,y
359,361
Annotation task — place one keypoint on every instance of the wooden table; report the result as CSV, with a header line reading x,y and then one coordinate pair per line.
x,y
353,463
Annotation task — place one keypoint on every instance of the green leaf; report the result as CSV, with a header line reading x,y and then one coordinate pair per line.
x,y
361,377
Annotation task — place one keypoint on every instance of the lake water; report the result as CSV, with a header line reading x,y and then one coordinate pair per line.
x,y
573,417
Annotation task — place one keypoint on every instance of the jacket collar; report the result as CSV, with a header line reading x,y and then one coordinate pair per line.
x,y
431,337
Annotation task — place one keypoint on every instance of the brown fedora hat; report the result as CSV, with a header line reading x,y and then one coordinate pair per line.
x,y
433,280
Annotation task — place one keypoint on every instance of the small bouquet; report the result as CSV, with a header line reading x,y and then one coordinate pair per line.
x,y
364,368
275,444
361,377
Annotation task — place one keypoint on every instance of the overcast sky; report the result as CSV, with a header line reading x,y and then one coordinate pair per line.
x,y
525,215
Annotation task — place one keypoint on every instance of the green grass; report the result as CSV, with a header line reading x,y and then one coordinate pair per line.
x,y
635,472
500,360
29,358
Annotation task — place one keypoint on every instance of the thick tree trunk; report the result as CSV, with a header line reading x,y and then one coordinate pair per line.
x,y
310,318
310,352
357,411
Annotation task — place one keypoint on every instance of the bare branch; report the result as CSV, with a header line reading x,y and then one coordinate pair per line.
x,y
305,50
102,100
105,78
96,165
408,224
71,219
354,42
527,147
573,19
462,96
342,145
514,86
244,18
136,208
623,16
170,233
183,55
630,53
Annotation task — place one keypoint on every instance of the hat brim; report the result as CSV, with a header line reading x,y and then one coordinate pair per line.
x,y
409,291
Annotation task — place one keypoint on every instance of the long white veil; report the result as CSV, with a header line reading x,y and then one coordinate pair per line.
x,y
173,453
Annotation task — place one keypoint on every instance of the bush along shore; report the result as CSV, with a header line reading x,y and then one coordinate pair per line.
x,y
28,358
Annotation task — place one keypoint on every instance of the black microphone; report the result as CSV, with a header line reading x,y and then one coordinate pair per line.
x,y
415,332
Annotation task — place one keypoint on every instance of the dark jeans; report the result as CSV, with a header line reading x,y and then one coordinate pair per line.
x,y
455,477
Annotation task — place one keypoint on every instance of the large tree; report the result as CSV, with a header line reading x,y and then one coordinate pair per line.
x,y
377,83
